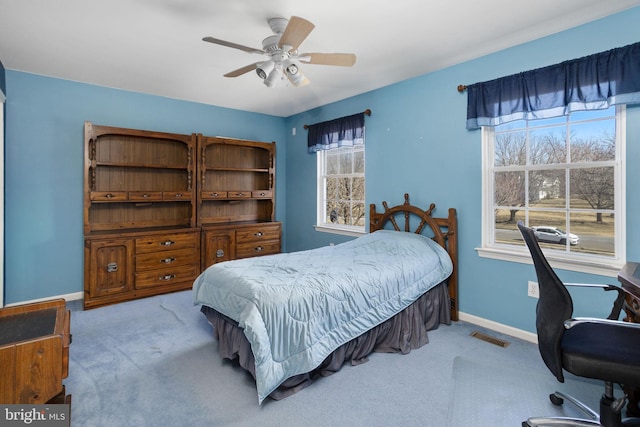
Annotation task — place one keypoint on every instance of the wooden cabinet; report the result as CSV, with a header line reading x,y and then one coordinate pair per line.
x,y
236,199
139,264
139,213
160,207
34,352
235,241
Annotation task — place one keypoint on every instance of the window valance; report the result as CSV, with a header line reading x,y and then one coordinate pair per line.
x,y
345,131
589,83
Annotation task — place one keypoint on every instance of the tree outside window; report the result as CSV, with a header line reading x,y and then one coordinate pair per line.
x,y
561,173
341,186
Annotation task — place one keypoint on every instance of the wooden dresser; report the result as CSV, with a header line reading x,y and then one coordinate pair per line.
x,y
34,352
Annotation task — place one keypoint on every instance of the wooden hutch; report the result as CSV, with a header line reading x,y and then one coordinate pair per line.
x,y
236,199
161,207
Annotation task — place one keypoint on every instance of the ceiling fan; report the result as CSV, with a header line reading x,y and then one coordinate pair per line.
x,y
283,63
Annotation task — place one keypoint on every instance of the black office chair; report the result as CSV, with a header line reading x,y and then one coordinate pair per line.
x,y
602,349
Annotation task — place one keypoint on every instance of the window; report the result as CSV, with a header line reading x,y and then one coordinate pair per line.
x,y
563,177
341,206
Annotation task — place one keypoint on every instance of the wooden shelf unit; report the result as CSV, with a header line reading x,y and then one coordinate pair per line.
x,y
236,199
139,188
161,207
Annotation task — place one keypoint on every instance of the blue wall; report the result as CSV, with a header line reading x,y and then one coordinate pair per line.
x,y
417,143
44,175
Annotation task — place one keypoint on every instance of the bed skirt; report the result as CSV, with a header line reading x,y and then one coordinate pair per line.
x,y
400,334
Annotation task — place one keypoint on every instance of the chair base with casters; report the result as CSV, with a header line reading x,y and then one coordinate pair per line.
x,y
601,349
609,413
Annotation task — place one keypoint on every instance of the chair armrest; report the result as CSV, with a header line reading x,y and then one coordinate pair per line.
x,y
592,285
568,324
617,304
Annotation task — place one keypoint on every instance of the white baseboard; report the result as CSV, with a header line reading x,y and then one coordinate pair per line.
x,y
499,327
67,297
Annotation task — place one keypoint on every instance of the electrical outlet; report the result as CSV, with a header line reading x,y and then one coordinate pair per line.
x,y
532,289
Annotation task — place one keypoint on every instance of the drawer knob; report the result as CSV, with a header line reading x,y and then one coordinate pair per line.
x,y
219,253
259,234
259,248
167,243
178,195
168,260
167,277
112,267
109,196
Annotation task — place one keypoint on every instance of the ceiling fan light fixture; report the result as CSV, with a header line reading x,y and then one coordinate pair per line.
x,y
283,64
291,68
273,77
298,79
264,69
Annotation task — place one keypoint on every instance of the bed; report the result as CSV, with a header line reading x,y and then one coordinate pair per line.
x,y
291,318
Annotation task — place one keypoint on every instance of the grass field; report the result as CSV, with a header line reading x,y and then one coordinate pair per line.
x,y
582,223
595,238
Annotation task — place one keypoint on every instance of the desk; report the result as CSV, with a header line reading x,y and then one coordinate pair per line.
x,y
629,277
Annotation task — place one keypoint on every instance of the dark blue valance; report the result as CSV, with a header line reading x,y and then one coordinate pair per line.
x,y
345,131
589,83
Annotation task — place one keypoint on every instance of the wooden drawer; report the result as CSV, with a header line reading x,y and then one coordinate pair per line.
x,y
239,194
246,250
164,259
166,242
259,194
213,195
167,276
176,195
108,196
258,233
145,196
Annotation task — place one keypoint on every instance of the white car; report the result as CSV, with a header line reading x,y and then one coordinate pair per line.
x,y
555,235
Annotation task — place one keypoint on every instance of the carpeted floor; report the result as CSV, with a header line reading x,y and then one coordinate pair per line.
x,y
154,362
503,392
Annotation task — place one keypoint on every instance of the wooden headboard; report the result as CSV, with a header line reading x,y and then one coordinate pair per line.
x,y
444,231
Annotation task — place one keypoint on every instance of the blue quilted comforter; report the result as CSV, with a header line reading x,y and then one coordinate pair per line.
x,y
297,308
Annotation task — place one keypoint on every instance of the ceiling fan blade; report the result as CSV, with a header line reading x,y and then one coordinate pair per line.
x,y
340,59
233,45
241,71
296,31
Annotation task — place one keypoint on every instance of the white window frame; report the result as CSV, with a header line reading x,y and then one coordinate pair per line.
x,y
321,224
593,265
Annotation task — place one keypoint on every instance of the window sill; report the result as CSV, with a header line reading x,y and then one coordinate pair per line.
x,y
610,269
340,230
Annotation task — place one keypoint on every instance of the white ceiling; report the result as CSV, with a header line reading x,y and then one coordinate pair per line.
x,y
156,47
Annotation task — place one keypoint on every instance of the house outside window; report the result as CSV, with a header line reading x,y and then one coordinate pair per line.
x,y
564,177
341,190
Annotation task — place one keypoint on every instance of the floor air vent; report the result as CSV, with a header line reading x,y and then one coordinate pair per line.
x,y
490,339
